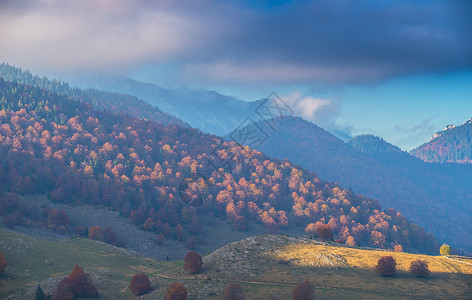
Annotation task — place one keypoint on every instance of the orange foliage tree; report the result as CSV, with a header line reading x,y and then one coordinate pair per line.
x,y
140,284
176,291
193,262
77,284
398,248
95,233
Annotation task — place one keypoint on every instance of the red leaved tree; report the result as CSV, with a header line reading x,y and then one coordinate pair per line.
x,y
386,266
303,291
324,232
176,291
420,268
77,284
3,263
80,283
234,291
140,284
63,290
96,233
193,262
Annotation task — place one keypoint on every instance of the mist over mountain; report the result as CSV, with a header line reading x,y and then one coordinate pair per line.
x,y
208,111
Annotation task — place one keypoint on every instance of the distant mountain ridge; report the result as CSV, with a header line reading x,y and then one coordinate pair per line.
x,y
453,144
368,143
208,111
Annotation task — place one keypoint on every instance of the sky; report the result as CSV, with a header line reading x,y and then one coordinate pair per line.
x,y
398,69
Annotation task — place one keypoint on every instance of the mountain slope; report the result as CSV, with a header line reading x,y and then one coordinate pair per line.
x,y
437,199
446,184
263,265
101,100
34,260
52,144
453,144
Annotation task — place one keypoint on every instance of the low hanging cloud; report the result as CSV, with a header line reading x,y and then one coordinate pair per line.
x,y
322,112
328,41
311,109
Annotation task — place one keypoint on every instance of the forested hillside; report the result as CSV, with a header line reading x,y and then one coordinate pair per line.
x,y
436,197
105,101
453,144
52,144
368,143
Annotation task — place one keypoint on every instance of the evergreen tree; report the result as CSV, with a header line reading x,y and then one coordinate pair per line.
x,y
39,293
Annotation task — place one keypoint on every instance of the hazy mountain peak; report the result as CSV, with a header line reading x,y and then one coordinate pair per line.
x,y
368,143
453,144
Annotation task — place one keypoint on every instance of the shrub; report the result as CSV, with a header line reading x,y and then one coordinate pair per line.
x,y
96,233
193,262
176,291
77,284
234,291
419,268
303,291
445,249
3,263
324,232
386,266
140,284
57,218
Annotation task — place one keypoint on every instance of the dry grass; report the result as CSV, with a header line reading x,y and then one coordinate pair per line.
x,y
276,263
264,265
367,259
448,279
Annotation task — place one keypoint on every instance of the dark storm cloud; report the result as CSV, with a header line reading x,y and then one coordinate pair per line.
x,y
325,41
348,41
